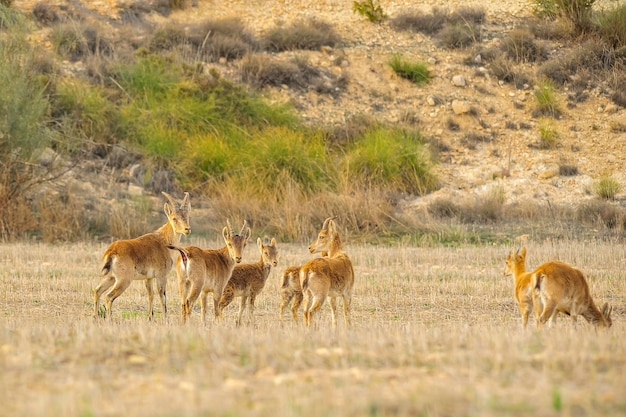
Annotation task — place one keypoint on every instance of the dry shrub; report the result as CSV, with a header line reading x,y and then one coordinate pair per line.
x,y
304,34
17,218
45,13
345,134
61,217
222,38
567,170
487,207
504,69
444,208
261,70
129,219
456,35
520,45
428,24
600,212
167,37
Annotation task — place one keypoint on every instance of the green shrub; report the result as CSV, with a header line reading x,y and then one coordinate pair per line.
x,y
373,12
416,72
546,99
607,187
393,158
579,12
612,26
548,136
87,111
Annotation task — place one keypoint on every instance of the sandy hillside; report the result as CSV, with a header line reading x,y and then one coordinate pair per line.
x,y
587,138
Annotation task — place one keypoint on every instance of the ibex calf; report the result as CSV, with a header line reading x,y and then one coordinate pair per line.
x,y
327,277
143,258
557,286
208,270
290,289
248,280
516,266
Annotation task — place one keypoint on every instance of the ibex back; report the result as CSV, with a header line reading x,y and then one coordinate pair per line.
x,y
144,258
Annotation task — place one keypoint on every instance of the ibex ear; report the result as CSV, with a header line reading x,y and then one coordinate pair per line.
x,y
273,242
248,233
523,251
167,209
259,243
225,233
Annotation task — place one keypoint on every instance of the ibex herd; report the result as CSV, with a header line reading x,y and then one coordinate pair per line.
x,y
552,288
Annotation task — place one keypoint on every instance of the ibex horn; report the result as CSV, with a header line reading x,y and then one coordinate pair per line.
x,y
185,202
230,228
243,228
325,226
173,202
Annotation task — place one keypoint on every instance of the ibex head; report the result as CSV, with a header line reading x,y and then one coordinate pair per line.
x,y
269,252
236,242
322,243
178,214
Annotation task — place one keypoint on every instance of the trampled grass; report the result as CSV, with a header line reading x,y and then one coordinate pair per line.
x,y
435,332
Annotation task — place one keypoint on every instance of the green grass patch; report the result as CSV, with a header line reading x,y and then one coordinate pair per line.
x,y
392,157
414,71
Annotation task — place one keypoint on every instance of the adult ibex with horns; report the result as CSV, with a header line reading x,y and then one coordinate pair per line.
x,y
208,270
143,258
331,276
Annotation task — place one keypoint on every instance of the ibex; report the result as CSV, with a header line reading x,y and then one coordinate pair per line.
x,y
290,289
208,270
327,277
557,286
248,280
143,258
516,266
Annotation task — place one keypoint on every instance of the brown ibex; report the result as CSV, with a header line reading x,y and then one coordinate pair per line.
x,y
327,277
208,270
143,258
290,289
248,280
559,287
516,266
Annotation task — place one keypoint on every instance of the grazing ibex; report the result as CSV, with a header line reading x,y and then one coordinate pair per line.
x,y
327,277
248,280
290,289
557,286
208,270
516,266
143,258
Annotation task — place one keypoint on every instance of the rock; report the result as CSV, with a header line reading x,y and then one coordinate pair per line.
x,y
460,107
47,157
478,59
458,81
432,60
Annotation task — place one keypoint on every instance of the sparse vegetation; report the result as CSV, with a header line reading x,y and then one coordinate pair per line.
x,y
372,11
414,71
546,99
606,187
305,34
548,135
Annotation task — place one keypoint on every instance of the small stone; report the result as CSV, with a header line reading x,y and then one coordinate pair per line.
x,y
432,60
460,107
458,81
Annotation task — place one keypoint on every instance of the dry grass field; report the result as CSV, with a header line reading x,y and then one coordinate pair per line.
x,y
436,332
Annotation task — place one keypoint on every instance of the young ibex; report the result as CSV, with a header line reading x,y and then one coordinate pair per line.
x,y
516,266
143,258
248,280
208,270
327,277
290,289
559,287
